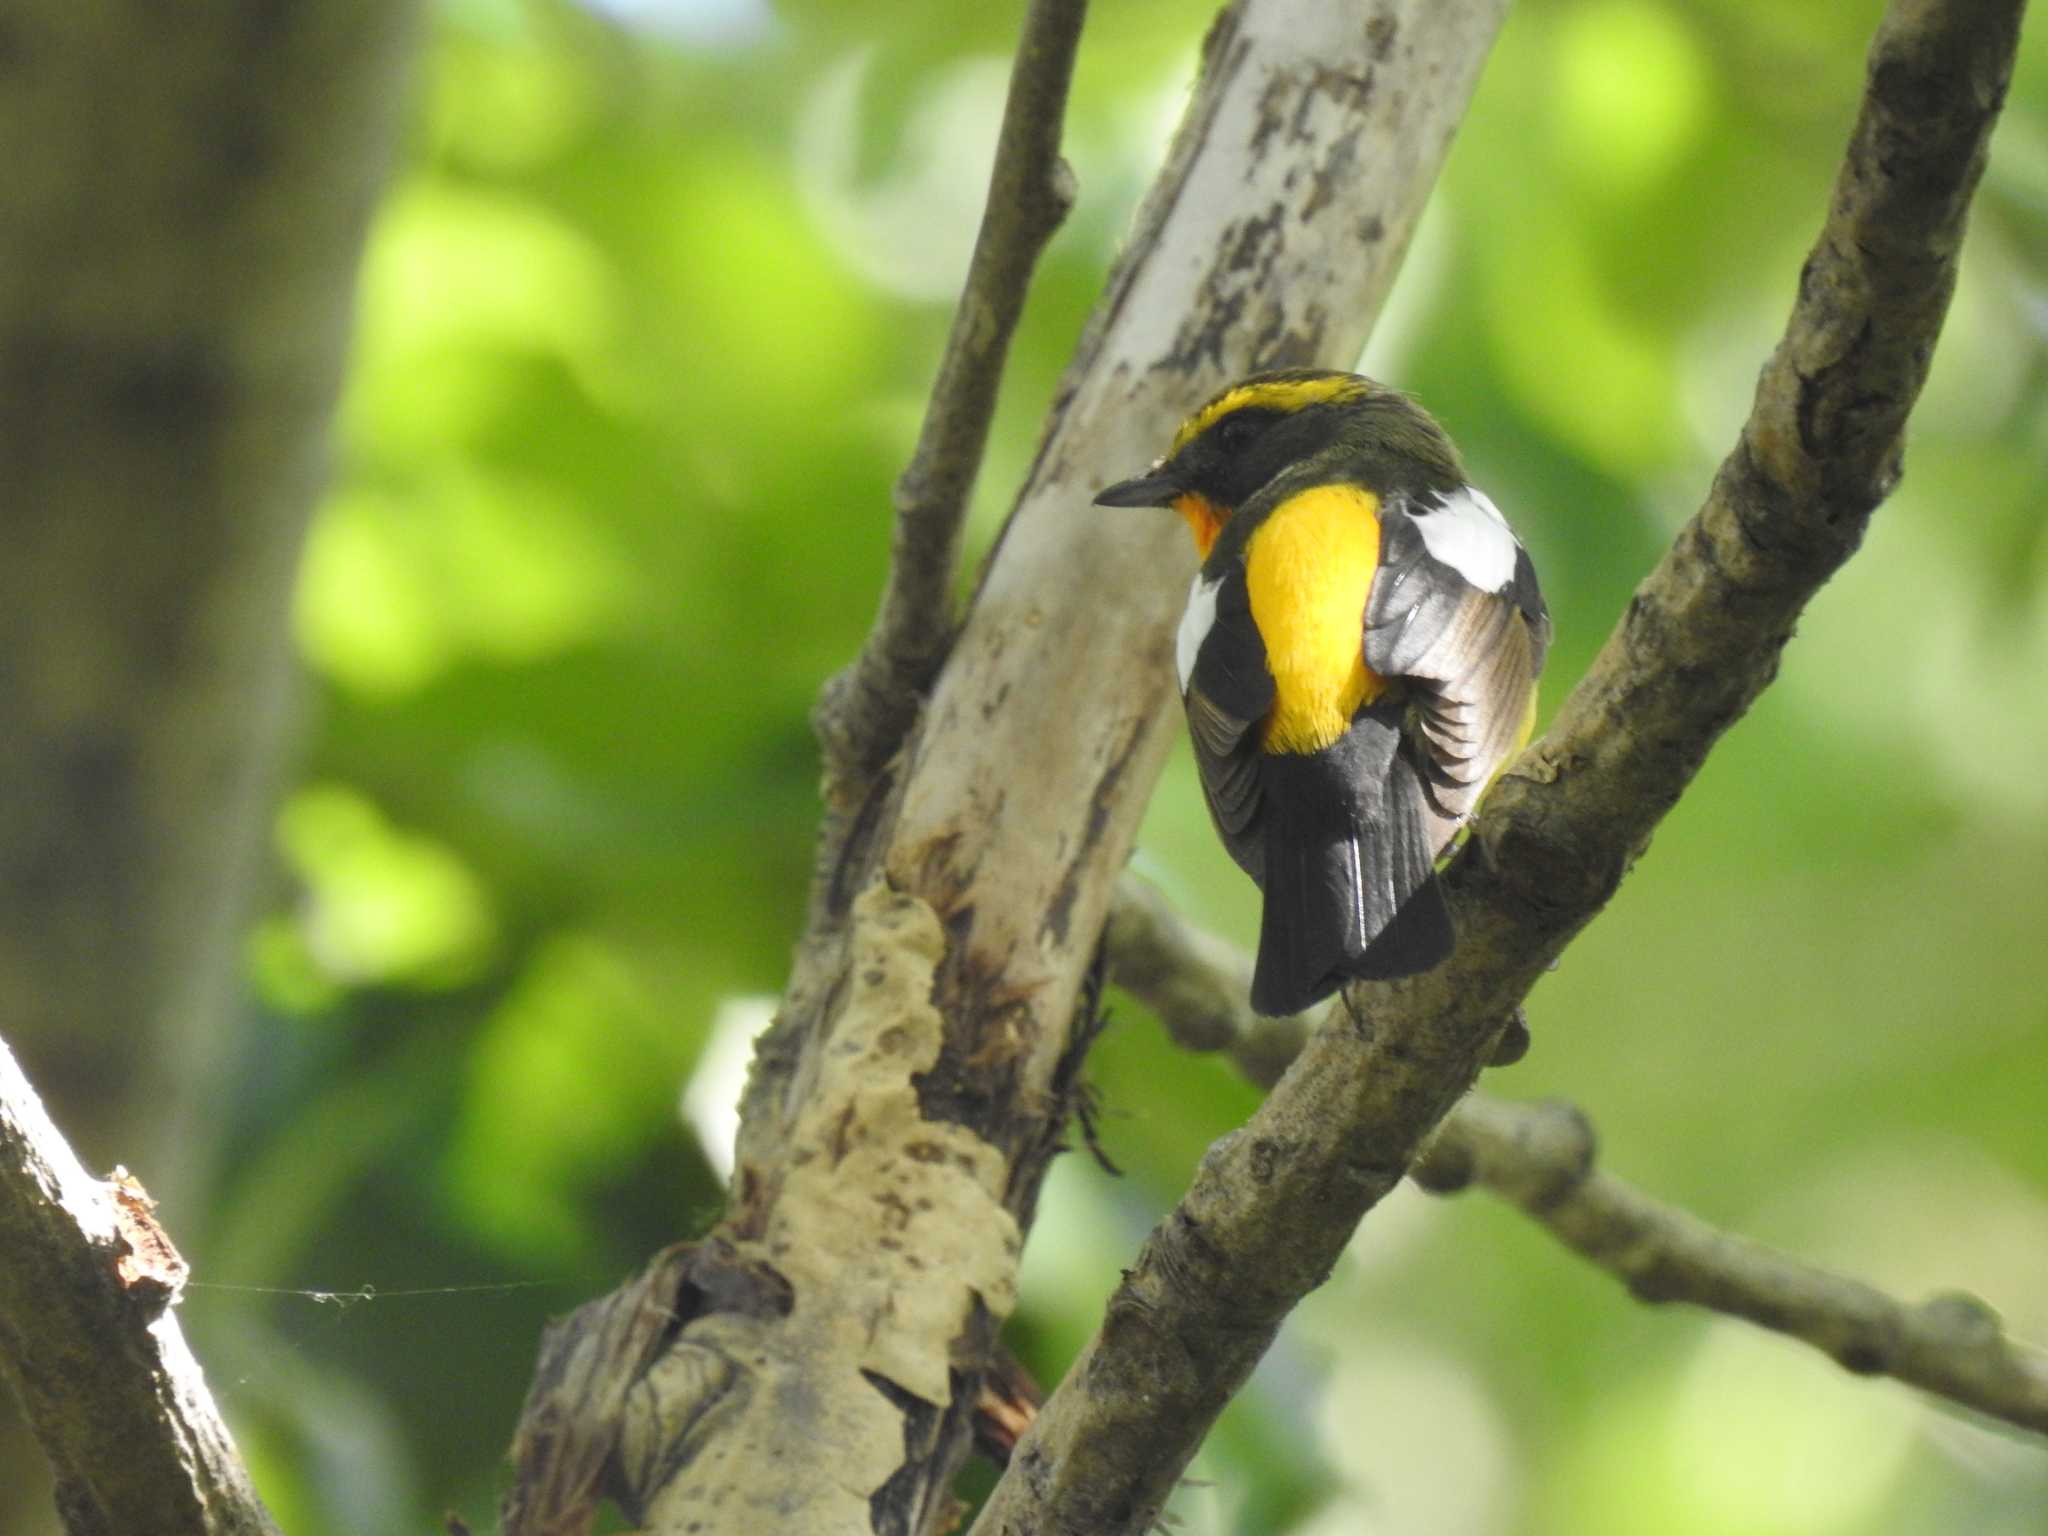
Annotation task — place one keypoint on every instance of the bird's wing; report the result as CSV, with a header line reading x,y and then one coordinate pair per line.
x,y
1455,609
1227,690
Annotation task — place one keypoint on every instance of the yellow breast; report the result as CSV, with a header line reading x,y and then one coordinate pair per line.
x,y
1308,568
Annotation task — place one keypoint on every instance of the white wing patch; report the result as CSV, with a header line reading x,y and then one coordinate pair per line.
x,y
1195,625
1465,531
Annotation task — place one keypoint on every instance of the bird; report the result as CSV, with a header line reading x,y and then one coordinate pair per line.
x,y
1358,660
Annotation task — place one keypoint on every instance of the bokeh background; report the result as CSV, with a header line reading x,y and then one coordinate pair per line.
x,y
645,327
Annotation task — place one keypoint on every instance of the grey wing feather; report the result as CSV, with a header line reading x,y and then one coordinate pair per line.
x,y
1473,654
1229,771
1529,598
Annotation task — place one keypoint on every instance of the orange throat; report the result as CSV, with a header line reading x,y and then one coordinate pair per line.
x,y
1204,519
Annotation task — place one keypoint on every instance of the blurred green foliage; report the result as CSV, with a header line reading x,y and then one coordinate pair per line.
x,y
645,328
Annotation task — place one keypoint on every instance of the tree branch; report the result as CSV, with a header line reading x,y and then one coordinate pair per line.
x,y
1540,1157
88,1340
936,1016
864,712
1273,1204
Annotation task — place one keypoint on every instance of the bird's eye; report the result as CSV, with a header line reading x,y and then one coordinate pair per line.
x,y
1234,434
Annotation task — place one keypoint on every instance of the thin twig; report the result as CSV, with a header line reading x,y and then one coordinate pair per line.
x,y
863,713
88,1340
1541,1158
1272,1206
1269,239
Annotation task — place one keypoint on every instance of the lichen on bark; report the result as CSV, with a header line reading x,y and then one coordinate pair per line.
x,y
890,1232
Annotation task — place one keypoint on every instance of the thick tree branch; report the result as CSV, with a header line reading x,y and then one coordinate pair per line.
x,y
88,1340
868,1166
865,711
1272,1205
1541,1157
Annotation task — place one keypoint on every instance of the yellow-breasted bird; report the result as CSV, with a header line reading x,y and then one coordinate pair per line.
x,y
1358,660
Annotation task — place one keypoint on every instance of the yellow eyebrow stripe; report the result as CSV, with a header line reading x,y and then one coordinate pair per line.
x,y
1308,569
1272,394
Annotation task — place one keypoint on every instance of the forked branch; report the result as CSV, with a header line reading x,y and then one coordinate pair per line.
x,y
1542,1159
864,712
978,883
1272,1206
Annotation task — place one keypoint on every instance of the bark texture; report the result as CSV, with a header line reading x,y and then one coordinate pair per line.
x,y
984,854
863,713
94,1350
1273,1204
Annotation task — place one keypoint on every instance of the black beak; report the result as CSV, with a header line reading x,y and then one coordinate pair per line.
x,y
1153,490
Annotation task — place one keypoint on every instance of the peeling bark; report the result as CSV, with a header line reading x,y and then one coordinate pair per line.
x,y
1008,813
885,1288
1273,1204
89,1340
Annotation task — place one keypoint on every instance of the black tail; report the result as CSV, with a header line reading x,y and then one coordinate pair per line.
x,y
1350,885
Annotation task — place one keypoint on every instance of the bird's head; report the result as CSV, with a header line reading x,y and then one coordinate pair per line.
x,y
1302,423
